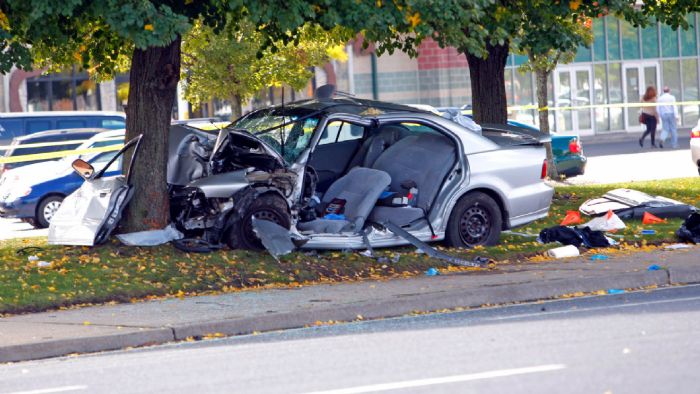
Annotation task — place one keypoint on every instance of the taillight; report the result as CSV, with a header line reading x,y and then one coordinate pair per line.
x,y
544,169
695,133
574,146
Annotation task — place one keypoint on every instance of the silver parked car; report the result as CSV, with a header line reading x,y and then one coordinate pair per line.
x,y
351,173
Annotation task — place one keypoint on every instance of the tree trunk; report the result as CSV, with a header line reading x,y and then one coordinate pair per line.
x,y
236,107
489,101
153,80
541,87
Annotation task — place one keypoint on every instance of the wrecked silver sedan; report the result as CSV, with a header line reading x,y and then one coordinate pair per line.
x,y
347,173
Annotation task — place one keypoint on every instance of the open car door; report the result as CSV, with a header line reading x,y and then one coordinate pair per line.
x,y
90,214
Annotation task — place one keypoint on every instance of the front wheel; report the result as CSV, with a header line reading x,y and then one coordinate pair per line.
x,y
269,207
47,209
475,220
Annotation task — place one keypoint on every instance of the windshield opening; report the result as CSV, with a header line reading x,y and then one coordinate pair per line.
x,y
286,130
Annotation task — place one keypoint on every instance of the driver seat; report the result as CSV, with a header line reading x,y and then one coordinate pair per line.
x,y
359,189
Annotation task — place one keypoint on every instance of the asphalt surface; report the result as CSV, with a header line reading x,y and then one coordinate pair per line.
x,y
630,145
643,342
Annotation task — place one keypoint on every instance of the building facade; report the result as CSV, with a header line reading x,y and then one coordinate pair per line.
x,y
592,95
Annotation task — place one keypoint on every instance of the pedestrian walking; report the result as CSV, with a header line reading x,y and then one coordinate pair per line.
x,y
649,117
668,112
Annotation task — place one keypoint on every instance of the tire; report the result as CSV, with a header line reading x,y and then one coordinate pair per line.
x,y
270,207
475,220
46,209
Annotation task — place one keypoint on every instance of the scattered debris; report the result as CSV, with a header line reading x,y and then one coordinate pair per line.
x,y
649,218
33,258
572,217
648,232
574,236
43,264
480,262
690,229
152,237
432,272
608,222
367,253
564,251
509,232
653,267
677,246
616,291
275,238
632,204
596,257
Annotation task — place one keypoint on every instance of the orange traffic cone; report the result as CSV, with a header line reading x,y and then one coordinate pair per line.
x,y
652,219
572,217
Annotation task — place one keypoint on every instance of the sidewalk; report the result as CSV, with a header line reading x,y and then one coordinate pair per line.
x,y
624,136
99,328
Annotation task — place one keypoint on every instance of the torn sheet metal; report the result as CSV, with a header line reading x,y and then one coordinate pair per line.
x,y
631,204
275,238
82,214
479,262
152,237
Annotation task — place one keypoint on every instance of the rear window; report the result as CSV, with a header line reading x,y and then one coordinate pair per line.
x,y
10,128
70,124
113,124
37,125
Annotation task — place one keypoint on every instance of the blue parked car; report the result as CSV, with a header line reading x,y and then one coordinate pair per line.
x,y
35,192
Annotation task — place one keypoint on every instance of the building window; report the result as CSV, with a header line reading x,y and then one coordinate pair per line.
x,y
62,96
612,28
669,41
598,39
671,75
650,42
600,96
690,91
615,95
689,38
67,91
37,96
630,41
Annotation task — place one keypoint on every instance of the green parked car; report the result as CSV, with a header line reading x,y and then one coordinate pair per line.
x,y
566,149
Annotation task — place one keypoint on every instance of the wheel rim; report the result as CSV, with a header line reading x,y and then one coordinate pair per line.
x,y
475,225
263,214
50,210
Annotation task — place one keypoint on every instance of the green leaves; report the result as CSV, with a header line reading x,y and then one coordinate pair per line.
x,y
237,62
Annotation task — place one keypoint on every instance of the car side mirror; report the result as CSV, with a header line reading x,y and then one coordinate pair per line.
x,y
83,168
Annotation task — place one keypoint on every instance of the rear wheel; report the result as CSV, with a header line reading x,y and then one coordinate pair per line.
x,y
269,207
475,220
47,209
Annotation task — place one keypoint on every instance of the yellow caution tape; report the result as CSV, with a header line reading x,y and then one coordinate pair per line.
x,y
59,154
55,143
591,106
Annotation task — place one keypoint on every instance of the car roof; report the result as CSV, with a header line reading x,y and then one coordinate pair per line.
x,y
38,114
109,134
349,105
53,133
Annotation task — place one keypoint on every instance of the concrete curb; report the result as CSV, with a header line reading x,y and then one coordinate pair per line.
x,y
399,306
63,347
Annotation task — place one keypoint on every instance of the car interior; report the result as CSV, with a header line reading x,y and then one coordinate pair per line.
x,y
391,173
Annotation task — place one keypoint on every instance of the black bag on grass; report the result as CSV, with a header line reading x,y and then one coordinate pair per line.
x,y
690,229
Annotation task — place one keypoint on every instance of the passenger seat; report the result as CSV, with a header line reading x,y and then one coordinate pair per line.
x,y
359,189
376,144
425,159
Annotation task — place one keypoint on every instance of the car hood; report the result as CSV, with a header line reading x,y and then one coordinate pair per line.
x,y
194,154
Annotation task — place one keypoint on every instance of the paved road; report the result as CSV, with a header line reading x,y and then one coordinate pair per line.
x,y
12,228
633,343
629,145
